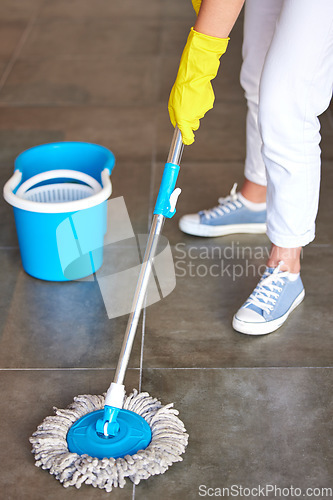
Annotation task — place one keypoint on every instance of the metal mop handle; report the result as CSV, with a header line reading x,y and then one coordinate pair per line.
x,y
164,208
175,153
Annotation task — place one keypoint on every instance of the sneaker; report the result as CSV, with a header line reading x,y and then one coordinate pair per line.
x,y
270,303
229,217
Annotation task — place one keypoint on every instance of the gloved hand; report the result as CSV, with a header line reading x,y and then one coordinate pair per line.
x,y
196,5
192,94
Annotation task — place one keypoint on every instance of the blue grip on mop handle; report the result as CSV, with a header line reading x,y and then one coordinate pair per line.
x,y
168,183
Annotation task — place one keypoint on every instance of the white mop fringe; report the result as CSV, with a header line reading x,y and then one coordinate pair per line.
x,y
169,440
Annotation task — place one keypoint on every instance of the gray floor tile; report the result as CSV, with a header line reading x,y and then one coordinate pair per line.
x,y
132,181
8,238
101,8
13,10
20,134
3,65
324,228
52,325
27,398
9,259
315,266
178,9
174,34
192,326
10,34
248,428
175,30
103,81
68,37
128,132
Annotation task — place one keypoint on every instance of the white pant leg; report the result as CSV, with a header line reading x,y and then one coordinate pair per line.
x,y
296,86
259,25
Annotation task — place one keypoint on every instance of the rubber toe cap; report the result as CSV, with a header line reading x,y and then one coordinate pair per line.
x,y
193,219
249,316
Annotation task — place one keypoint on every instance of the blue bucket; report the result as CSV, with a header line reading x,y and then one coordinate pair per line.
x,y
59,194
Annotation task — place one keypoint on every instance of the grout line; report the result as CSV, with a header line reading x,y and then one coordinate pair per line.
x,y
61,369
140,369
17,52
320,245
238,368
72,104
87,58
66,104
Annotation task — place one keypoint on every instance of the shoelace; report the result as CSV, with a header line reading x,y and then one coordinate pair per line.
x,y
225,206
267,291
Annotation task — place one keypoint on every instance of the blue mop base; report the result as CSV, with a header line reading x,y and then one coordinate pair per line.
x,y
134,435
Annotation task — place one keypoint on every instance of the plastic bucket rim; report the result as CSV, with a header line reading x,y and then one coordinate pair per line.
x,y
46,145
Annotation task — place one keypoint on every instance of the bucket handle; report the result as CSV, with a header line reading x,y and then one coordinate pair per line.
x,y
71,206
57,174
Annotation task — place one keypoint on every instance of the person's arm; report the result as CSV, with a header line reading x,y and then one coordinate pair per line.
x,y
217,17
192,94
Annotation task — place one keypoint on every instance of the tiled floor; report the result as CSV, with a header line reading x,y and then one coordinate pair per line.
x,y
258,410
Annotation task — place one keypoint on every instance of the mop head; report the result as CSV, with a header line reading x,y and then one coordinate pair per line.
x,y
169,440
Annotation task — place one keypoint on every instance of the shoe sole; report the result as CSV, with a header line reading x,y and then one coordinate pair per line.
x,y
267,327
213,231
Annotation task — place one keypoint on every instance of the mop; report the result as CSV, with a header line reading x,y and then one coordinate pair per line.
x,y
102,440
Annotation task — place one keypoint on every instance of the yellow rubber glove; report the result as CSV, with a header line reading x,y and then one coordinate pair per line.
x,y
192,94
196,5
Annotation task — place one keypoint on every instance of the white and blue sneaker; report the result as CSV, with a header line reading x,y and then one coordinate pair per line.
x,y
234,214
269,305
